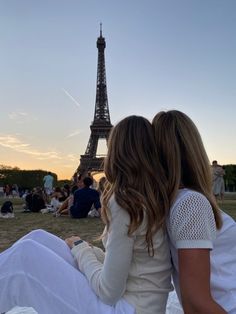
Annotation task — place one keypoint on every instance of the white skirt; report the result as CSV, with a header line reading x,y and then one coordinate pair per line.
x,y
39,271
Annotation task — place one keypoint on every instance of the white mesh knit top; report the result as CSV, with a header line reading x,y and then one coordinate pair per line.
x,y
191,224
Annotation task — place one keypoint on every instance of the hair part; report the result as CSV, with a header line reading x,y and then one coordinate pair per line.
x,y
183,156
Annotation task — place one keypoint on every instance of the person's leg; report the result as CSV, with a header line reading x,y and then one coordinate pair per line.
x,y
52,242
64,212
64,205
32,275
222,190
63,209
47,195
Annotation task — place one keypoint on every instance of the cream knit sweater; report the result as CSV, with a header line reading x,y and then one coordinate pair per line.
x,y
126,269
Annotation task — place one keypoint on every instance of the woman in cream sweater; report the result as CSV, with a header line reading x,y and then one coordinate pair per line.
x,y
133,274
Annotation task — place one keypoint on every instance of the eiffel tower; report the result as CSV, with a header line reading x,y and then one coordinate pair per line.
x,y
101,124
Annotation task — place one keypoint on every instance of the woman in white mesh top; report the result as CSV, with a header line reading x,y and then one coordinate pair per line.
x,y
202,237
133,275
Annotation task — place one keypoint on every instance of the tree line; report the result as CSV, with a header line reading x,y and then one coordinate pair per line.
x,y
25,179
230,177
28,179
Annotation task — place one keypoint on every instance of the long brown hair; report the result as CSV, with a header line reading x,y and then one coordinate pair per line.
x,y
183,156
135,176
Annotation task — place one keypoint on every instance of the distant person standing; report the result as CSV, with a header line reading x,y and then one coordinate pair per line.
x,y
48,183
218,185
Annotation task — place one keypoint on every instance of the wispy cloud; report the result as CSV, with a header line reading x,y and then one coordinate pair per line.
x,y
71,97
16,144
76,132
15,115
21,117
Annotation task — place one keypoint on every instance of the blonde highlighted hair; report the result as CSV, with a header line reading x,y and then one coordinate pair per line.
x,y
135,176
183,156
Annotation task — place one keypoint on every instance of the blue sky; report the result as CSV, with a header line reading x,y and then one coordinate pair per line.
x,y
160,55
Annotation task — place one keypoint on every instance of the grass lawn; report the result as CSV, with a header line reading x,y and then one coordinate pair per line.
x,y
13,229
88,229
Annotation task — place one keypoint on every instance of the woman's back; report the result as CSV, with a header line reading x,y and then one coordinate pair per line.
x,y
148,281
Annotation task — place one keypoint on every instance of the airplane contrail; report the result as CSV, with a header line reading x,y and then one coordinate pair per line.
x,y
71,97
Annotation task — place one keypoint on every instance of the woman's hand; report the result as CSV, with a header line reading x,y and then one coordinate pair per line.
x,y
70,241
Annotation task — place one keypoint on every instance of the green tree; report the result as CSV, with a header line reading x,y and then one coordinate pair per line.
x,y
230,177
25,179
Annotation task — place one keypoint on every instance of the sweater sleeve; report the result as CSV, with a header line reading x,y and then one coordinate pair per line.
x,y
100,255
108,280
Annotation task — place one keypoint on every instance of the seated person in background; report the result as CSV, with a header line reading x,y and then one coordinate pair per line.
x,y
101,187
57,198
25,193
66,190
84,199
80,181
64,209
35,201
93,185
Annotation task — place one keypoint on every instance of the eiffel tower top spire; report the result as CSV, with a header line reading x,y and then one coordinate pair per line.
x,y
101,125
100,29
101,114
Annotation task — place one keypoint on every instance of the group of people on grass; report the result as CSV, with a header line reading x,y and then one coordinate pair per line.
x,y
162,227
77,201
9,190
83,201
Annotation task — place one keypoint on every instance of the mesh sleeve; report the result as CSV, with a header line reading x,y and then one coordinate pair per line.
x,y
192,223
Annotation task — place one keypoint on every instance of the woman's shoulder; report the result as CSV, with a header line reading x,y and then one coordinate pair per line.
x,y
119,217
191,222
190,203
118,214
115,208
190,196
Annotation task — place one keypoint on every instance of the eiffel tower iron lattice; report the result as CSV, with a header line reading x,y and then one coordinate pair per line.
x,y
101,125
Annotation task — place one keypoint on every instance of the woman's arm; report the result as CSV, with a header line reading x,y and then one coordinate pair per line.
x,y
108,279
194,280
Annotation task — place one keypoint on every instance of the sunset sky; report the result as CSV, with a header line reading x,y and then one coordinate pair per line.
x,y
160,55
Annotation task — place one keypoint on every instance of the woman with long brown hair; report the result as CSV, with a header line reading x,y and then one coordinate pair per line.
x,y
202,237
133,275
136,263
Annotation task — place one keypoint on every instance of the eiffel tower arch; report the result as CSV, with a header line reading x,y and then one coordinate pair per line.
x,y
101,125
